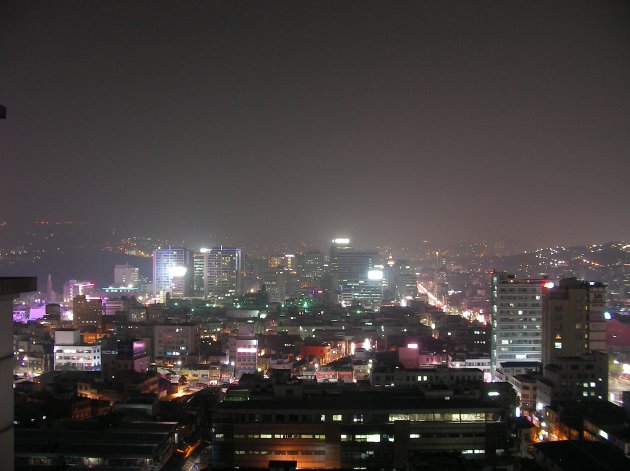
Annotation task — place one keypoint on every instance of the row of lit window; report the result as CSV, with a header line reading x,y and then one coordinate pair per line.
x,y
278,435
279,452
370,438
75,358
447,417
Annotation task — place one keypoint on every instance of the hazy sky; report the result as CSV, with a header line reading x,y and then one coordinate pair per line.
x,y
386,121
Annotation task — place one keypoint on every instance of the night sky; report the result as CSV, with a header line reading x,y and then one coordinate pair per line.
x,y
389,122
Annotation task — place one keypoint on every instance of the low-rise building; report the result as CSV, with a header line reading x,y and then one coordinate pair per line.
x,y
400,377
574,378
72,354
356,429
133,446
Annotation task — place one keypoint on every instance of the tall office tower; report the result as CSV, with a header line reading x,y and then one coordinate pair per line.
x,y
221,269
405,280
86,312
126,275
516,319
275,282
349,264
199,263
353,270
573,319
171,271
311,269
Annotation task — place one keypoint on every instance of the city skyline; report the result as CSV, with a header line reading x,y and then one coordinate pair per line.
x,y
450,122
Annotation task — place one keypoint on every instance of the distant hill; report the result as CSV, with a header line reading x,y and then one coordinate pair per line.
x,y
80,264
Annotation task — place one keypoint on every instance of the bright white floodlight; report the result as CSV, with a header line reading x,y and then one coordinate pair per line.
x,y
177,271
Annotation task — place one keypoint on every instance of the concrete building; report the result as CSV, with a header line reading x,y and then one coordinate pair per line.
x,y
353,274
171,272
176,341
217,272
10,288
516,319
126,275
386,377
569,455
243,351
127,354
72,288
573,378
86,312
275,282
70,353
126,446
311,269
573,319
365,430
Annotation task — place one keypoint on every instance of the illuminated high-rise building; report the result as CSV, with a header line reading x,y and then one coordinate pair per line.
x,y
199,263
311,269
404,280
126,275
355,274
275,282
573,319
171,271
516,319
217,272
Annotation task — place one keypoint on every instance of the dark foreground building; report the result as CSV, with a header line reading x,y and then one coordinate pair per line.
x,y
364,430
124,446
572,455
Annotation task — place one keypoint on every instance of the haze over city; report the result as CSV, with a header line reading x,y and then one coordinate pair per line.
x,y
298,121
330,235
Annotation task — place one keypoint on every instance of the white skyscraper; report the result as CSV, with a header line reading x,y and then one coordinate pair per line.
x,y
171,271
516,319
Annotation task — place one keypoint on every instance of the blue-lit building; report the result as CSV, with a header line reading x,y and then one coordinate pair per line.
x,y
171,272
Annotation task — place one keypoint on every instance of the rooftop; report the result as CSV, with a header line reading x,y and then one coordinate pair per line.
x,y
594,456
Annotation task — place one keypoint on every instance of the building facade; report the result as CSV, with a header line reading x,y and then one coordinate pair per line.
x,y
126,275
573,319
86,312
354,276
218,273
358,430
171,267
72,354
176,341
516,319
